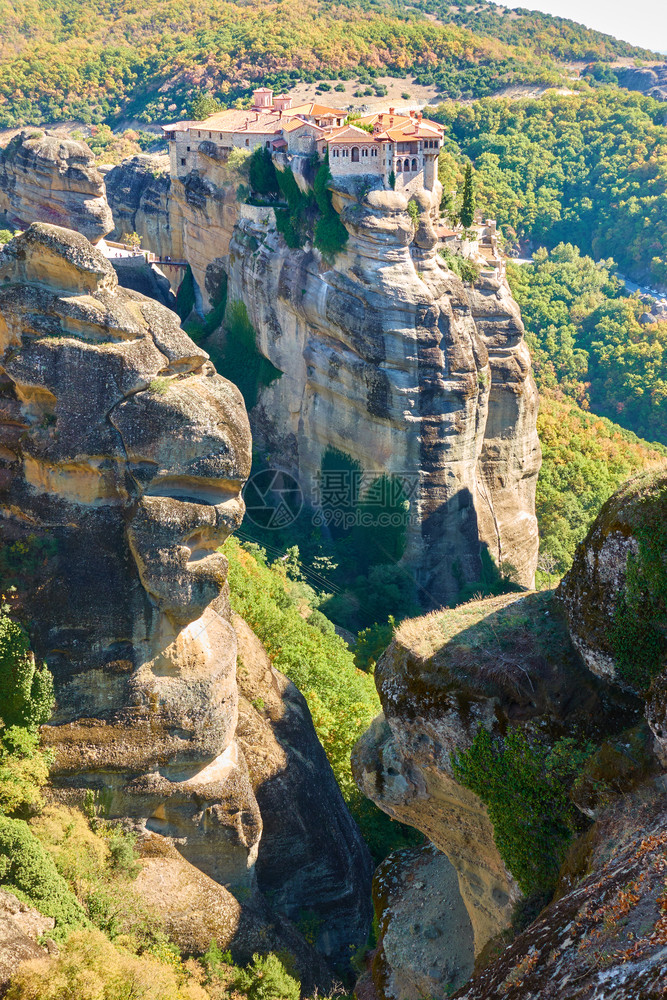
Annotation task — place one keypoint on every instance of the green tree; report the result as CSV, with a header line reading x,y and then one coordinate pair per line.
x,y
262,173
468,200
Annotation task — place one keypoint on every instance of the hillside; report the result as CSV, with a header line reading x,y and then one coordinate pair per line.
x,y
98,61
587,170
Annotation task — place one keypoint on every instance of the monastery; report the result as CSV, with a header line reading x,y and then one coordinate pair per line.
x,y
402,149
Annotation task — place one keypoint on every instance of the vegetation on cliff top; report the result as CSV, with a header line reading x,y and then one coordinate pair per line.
x,y
151,60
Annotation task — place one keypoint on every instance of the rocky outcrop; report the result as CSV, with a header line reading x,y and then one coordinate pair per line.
x,y
550,665
186,218
607,937
138,191
388,358
651,80
49,177
597,582
499,662
385,360
21,928
425,944
123,457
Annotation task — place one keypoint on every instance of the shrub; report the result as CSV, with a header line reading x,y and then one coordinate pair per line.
x,y
262,173
525,784
266,979
413,212
89,967
466,269
27,870
26,691
24,769
330,233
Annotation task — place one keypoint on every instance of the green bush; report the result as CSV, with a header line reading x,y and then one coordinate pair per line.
x,y
26,691
330,234
24,770
266,979
525,784
28,871
466,269
262,173
185,296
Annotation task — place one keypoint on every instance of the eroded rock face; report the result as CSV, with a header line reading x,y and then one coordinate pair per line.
x,y
492,663
123,457
425,946
606,937
651,80
591,591
385,360
186,218
49,177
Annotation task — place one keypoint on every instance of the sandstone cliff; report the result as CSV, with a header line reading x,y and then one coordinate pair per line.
x,y
389,358
548,665
49,177
186,218
123,456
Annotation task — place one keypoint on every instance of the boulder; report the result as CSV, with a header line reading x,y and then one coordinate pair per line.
x,y
50,177
626,539
21,928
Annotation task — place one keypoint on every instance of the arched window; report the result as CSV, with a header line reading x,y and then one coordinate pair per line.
x,y
414,165
364,152
406,166
355,154
399,167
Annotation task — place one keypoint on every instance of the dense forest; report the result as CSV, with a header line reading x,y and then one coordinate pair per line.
x,y
97,62
588,169
591,341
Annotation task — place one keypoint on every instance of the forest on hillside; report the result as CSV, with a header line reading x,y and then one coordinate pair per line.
x,y
589,170
97,62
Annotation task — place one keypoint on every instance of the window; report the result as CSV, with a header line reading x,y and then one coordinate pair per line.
x,y
182,161
268,143
188,149
210,135
364,152
406,167
199,135
414,165
399,167
247,142
335,152
374,152
355,154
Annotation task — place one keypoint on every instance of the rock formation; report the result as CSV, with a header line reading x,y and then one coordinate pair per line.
x,y
534,662
186,218
384,360
597,582
606,938
492,663
123,455
21,928
429,380
49,177
651,80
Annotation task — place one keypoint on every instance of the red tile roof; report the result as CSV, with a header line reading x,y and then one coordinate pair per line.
x,y
320,110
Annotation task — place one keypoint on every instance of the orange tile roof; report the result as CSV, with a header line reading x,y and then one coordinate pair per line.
x,y
348,133
383,119
289,124
317,109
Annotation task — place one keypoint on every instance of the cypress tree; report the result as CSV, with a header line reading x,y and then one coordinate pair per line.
x,y
468,203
